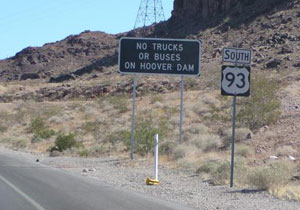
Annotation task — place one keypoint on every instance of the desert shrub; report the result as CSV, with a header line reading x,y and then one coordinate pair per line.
x,y
38,127
262,107
64,142
120,103
167,148
191,83
211,100
84,152
118,136
206,142
240,135
209,167
46,134
50,111
19,143
219,113
37,124
180,152
220,172
100,149
243,150
286,150
35,139
270,176
197,128
146,126
156,98
90,126
170,110
3,128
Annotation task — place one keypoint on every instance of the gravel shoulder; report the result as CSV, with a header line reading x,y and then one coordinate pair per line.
x,y
179,186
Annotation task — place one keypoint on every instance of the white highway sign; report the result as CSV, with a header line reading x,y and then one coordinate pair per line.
x,y
236,56
235,81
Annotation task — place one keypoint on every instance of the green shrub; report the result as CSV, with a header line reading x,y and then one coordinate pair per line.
x,y
167,148
119,136
286,150
64,142
90,126
263,106
209,167
38,127
145,128
221,174
180,152
206,142
35,139
240,135
84,152
270,176
219,113
156,98
19,143
191,83
120,103
244,150
197,128
3,128
99,149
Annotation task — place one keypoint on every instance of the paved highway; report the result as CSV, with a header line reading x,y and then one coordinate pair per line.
x,y
28,185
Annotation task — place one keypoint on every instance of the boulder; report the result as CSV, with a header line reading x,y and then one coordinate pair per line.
x,y
26,76
62,78
274,63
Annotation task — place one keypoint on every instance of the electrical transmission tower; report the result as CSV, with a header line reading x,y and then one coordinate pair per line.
x,y
150,11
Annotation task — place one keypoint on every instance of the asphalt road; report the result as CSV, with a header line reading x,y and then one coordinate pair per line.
x,y
27,185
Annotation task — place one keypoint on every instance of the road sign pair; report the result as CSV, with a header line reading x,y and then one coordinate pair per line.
x,y
236,79
182,57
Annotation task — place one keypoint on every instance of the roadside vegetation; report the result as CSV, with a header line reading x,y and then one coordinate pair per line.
x,y
102,127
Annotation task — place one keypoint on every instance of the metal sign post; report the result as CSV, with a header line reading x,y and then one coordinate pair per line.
x,y
133,116
233,140
158,56
181,109
235,82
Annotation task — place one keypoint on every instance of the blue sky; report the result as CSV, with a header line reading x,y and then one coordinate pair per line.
x,y
26,23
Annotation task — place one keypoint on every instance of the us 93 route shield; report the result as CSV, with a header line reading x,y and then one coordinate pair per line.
x,y
235,80
159,56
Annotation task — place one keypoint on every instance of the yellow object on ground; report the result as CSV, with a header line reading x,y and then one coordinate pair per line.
x,y
152,181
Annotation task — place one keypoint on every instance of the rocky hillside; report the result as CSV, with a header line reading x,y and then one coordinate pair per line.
x,y
269,27
62,60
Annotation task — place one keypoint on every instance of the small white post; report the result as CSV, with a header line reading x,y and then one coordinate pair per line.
x,y
155,137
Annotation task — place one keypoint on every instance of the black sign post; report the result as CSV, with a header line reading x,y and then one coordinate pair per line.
x,y
159,56
235,82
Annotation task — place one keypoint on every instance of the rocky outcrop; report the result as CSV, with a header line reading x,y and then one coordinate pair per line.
x,y
53,60
207,9
203,8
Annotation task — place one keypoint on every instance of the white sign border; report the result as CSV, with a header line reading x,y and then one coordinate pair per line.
x,y
237,49
163,39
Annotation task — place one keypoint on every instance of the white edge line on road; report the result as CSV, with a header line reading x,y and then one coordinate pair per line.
x,y
30,200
